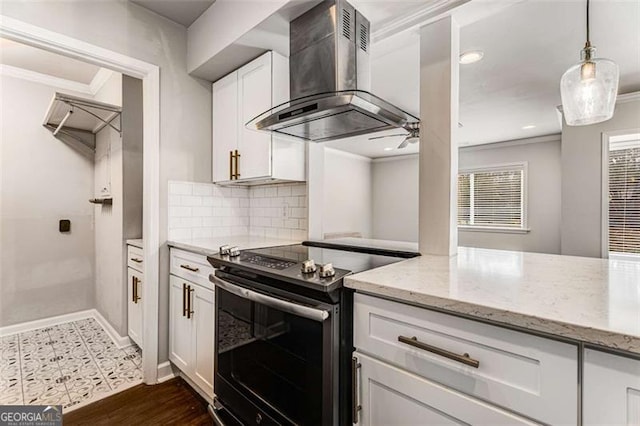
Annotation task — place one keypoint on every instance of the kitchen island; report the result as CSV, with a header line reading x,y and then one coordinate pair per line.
x,y
493,336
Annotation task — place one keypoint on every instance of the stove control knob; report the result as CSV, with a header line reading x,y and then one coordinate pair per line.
x,y
224,250
327,271
234,251
309,266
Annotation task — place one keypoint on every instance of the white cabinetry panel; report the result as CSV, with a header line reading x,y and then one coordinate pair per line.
x,y
611,392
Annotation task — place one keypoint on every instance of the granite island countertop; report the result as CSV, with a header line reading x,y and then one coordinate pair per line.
x,y
596,301
207,246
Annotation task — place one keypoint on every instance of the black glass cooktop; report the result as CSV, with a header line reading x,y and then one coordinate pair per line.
x,y
285,262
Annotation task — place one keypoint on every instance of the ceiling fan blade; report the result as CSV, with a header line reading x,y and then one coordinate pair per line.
x,y
387,136
403,144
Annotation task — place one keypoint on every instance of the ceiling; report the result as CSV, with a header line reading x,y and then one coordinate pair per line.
x,y
33,59
184,12
527,47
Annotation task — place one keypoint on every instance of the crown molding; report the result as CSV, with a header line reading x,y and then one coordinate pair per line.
x,y
49,80
99,80
555,137
431,12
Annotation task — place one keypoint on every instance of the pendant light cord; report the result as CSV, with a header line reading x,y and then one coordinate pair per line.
x,y
588,38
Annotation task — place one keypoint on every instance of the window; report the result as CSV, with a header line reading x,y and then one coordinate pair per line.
x,y
492,197
624,195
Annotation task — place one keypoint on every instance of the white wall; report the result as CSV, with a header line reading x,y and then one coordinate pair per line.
x,y
395,198
544,194
185,102
582,180
347,194
42,272
110,290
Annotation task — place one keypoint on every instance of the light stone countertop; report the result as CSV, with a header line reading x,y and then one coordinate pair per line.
x,y
596,301
207,246
136,243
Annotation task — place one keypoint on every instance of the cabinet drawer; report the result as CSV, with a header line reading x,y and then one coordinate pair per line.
x,y
135,258
191,266
393,397
531,375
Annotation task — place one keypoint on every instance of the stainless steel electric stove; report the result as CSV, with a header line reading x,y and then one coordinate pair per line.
x,y
284,332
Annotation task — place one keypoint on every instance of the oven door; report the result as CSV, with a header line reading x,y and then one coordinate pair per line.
x,y
276,358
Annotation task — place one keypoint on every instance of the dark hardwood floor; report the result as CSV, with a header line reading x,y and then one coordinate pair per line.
x,y
169,403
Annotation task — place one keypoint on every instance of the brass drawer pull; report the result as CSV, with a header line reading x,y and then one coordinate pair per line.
x,y
355,406
189,268
189,307
237,173
464,359
135,259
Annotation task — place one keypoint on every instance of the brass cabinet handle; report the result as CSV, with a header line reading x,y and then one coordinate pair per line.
x,y
135,259
189,268
184,299
464,359
189,297
231,165
133,289
355,407
237,174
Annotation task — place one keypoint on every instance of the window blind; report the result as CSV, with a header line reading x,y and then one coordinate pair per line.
x,y
491,198
624,197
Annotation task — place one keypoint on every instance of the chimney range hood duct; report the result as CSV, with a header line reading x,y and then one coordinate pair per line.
x,y
329,69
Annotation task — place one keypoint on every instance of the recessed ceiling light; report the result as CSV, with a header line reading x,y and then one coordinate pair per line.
x,y
388,149
471,56
529,126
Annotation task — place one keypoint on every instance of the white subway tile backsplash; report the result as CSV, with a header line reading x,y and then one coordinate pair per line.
x,y
202,189
201,210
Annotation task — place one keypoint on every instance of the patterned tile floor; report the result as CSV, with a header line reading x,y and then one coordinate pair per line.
x,y
66,364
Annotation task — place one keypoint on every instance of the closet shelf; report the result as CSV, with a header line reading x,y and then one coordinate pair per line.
x,y
80,118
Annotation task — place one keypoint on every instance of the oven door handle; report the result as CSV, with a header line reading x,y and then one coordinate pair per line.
x,y
283,305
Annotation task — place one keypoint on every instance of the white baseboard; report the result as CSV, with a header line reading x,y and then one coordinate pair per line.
x,y
165,372
45,322
120,341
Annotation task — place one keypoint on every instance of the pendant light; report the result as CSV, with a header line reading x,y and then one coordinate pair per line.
x,y
589,88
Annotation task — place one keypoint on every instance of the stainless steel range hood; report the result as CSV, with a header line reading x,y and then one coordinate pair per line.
x,y
329,68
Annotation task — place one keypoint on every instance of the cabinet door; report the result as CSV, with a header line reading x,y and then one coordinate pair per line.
x,y
134,306
254,97
390,396
611,389
224,125
180,329
203,319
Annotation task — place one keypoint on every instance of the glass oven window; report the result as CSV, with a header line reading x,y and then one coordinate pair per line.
x,y
271,356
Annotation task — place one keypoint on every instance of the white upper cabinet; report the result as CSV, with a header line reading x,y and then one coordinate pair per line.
x,y
246,156
225,125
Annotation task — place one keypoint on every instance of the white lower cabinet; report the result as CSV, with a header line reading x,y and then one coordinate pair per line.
x,y
191,331
611,390
391,396
134,306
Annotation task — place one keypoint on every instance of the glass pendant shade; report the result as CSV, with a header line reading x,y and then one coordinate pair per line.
x,y
589,90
